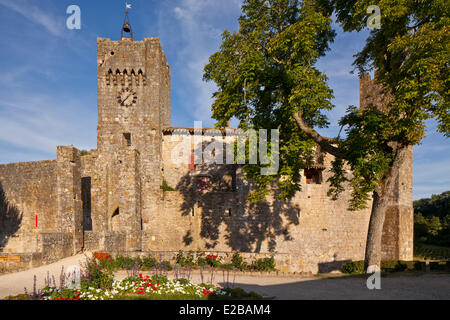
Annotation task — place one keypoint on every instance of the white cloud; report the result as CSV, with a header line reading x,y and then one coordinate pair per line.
x,y
199,28
40,123
54,25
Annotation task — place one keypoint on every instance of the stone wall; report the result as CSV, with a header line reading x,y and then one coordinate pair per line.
x,y
111,241
28,191
41,205
56,246
316,233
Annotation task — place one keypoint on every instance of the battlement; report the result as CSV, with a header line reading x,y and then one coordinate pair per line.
x,y
371,92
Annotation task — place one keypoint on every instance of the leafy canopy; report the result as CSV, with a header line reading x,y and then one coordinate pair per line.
x,y
410,54
265,72
267,78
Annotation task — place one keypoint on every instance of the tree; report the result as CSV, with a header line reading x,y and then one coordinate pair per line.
x,y
267,78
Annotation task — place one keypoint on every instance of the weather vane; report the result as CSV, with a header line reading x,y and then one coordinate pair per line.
x,y
126,27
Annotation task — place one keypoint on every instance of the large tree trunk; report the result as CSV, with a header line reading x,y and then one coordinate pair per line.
x,y
382,197
376,223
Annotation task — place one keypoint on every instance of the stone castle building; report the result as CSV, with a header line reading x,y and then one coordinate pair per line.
x,y
129,196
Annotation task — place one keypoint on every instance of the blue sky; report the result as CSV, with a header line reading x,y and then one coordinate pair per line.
x,y
48,75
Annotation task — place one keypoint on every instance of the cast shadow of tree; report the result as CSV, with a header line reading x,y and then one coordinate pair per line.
x,y
247,225
10,219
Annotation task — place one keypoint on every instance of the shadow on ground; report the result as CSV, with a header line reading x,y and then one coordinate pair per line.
x,y
398,287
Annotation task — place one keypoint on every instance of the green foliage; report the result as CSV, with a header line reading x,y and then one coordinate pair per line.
x,y
238,262
438,205
431,252
357,267
201,261
411,53
185,261
97,274
121,262
440,266
264,264
213,261
265,72
84,153
353,267
432,220
166,187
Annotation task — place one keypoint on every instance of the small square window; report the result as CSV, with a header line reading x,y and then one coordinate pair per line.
x,y
313,176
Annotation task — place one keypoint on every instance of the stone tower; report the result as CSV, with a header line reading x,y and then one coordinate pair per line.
x,y
133,108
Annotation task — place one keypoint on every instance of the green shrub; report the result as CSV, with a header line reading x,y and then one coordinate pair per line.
x,y
440,266
185,261
122,262
201,261
148,263
166,187
238,262
227,266
265,264
353,267
94,275
357,267
165,265
213,261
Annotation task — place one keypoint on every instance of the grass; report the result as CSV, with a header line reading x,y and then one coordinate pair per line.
x,y
431,252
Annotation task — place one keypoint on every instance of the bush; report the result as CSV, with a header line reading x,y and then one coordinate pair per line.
x,y
357,267
96,276
213,261
185,261
238,262
165,265
122,262
265,264
148,263
440,266
353,267
166,187
201,261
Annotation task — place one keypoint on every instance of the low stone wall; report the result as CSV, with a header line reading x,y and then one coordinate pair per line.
x,y
13,262
111,241
55,246
52,247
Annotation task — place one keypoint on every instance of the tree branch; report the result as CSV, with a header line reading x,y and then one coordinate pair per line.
x,y
324,143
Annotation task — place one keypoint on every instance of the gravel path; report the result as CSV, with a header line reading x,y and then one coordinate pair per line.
x,y
394,286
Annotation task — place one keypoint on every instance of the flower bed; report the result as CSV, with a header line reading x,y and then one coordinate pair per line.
x,y
148,288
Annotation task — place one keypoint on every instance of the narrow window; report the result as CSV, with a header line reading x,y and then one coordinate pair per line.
x,y
86,199
127,139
